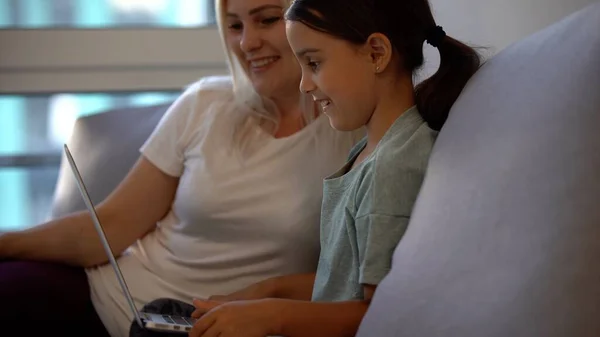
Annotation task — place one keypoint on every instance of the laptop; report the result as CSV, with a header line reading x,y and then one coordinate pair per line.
x,y
150,321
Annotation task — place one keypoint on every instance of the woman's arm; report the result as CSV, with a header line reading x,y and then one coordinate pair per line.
x,y
132,210
296,287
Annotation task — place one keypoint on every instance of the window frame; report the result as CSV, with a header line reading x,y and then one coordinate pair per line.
x,y
107,60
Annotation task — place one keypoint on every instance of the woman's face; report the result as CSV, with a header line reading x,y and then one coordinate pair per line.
x,y
255,33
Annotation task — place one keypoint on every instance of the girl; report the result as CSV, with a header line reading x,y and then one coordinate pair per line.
x,y
358,58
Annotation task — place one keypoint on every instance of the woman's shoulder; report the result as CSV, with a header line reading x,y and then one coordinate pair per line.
x,y
209,98
211,88
200,97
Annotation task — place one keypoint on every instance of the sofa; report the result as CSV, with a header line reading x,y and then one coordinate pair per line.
x,y
505,235
105,146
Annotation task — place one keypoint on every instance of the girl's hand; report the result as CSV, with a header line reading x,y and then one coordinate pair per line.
x,y
256,318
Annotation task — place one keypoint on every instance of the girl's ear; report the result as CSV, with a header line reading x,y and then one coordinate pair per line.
x,y
380,50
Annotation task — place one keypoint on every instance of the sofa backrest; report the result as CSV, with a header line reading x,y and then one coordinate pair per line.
x,y
105,146
505,235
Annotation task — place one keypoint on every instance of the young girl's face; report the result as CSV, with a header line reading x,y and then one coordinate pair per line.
x,y
339,75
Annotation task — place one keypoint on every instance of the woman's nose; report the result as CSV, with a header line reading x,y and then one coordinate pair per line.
x,y
251,40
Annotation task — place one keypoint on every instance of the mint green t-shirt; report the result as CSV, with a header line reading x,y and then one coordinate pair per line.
x,y
366,210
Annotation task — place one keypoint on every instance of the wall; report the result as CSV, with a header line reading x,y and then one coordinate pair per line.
x,y
495,24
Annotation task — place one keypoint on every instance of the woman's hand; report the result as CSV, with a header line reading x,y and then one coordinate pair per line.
x,y
257,318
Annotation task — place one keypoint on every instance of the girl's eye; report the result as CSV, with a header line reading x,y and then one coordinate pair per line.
x,y
313,65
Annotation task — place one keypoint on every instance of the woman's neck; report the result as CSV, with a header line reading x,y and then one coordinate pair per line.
x,y
291,114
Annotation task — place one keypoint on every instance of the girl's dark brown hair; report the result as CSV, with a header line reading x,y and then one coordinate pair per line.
x,y
407,24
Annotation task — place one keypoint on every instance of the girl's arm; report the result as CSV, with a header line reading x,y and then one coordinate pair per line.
x,y
291,318
317,319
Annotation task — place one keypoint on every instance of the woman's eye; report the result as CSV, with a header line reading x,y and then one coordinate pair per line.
x,y
235,26
271,20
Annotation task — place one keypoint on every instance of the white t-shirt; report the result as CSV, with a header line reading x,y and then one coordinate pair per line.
x,y
234,221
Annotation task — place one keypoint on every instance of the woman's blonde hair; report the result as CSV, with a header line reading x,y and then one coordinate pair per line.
x,y
256,107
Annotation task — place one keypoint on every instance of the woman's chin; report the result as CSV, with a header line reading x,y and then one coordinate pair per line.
x,y
263,87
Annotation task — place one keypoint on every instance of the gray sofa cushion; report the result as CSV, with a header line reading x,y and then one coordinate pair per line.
x,y
104,146
505,235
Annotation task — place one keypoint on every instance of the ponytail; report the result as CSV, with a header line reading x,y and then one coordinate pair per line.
x,y
436,95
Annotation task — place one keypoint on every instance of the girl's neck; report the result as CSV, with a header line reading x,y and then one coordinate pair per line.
x,y
394,99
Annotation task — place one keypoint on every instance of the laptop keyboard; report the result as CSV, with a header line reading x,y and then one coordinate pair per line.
x,y
178,320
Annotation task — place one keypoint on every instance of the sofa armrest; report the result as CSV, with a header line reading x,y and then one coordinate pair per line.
x,y
105,146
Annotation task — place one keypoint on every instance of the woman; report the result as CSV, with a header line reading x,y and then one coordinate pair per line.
x,y
227,191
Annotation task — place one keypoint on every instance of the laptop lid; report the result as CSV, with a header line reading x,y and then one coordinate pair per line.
x,y
100,230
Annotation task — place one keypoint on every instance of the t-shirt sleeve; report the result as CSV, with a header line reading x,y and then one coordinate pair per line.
x,y
378,235
165,147
385,201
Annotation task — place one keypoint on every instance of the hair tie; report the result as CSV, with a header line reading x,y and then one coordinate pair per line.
x,y
435,36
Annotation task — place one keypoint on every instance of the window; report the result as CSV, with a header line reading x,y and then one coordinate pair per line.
x,y
105,13
62,59
106,45
32,131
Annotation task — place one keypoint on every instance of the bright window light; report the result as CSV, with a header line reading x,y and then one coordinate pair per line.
x,y
151,6
63,113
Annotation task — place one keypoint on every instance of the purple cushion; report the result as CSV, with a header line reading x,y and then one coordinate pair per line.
x,y
47,292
